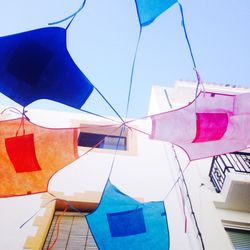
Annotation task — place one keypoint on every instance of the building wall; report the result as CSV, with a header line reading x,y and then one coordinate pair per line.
x,y
144,173
210,208
148,172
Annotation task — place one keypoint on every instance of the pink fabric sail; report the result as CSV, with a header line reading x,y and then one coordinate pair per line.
x,y
214,124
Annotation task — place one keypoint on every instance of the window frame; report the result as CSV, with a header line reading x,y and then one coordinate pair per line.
x,y
87,202
99,141
109,129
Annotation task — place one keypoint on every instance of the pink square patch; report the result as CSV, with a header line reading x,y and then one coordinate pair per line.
x,y
210,126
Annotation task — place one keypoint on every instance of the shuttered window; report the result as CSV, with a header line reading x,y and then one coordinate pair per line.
x,y
239,238
74,233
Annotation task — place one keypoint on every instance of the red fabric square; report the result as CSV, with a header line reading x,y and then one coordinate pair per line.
x,y
21,151
210,126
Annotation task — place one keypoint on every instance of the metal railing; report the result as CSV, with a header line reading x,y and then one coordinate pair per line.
x,y
221,165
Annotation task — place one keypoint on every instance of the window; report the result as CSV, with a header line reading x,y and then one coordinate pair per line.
x,y
105,137
105,141
74,233
239,238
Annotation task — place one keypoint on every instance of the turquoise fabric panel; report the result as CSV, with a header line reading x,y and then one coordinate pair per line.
x,y
108,236
148,10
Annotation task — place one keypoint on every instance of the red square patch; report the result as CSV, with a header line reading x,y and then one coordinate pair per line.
x,y
21,151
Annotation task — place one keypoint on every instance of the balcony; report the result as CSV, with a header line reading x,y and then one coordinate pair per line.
x,y
230,175
222,165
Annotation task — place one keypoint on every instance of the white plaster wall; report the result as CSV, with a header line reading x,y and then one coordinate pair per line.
x,y
201,190
150,175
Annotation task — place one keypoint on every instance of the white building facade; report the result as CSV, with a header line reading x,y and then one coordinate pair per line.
x,y
146,169
219,187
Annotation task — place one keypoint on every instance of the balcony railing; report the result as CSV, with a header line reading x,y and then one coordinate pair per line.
x,y
228,163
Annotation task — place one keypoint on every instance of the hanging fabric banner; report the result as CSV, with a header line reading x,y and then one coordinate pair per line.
x,y
149,10
127,223
37,65
211,125
29,158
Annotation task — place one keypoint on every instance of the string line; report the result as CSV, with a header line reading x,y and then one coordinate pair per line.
x,y
68,17
132,73
185,184
97,115
199,82
127,106
17,111
46,204
183,207
23,114
115,153
99,92
72,16
58,227
174,184
189,199
186,36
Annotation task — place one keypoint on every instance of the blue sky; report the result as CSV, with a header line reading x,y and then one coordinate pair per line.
x,y
103,36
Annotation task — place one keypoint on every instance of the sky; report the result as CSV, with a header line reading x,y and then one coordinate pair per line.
x,y
103,36
102,41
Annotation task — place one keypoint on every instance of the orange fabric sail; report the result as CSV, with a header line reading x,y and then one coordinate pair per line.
x,y
30,155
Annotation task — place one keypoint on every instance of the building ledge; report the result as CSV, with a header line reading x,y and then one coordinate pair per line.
x,y
235,194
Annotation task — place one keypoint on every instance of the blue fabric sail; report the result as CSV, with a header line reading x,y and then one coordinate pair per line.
x,y
148,10
123,223
37,65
